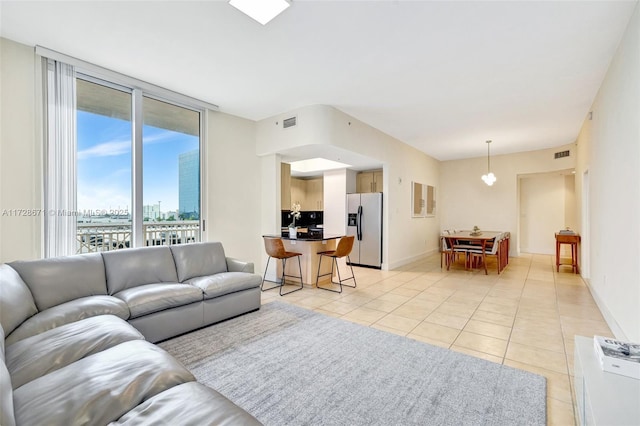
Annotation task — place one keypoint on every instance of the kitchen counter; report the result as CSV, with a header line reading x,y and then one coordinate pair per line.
x,y
307,236
309,244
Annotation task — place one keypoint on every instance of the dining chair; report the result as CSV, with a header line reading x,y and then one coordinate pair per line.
x,y
491,250
456,249
343,250
446,252
275,249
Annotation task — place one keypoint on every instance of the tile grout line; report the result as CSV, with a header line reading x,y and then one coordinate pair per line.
x,y
564,346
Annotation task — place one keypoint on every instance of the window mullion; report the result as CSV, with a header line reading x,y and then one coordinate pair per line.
x,y
136,166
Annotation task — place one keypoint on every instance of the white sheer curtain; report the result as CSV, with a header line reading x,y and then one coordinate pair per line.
x,y
60,184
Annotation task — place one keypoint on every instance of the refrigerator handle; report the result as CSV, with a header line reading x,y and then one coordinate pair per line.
x,y
359,223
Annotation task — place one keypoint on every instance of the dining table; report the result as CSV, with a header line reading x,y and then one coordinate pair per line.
x,y
479,241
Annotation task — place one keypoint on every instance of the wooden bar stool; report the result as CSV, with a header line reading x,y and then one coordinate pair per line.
x,y
275,248
344,249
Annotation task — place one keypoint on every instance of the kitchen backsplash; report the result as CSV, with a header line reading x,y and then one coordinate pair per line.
x,y
309,218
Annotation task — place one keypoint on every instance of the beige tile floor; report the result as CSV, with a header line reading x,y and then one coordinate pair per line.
x,y
526,317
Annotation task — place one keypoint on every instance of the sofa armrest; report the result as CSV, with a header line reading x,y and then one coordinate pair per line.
x,y
235,265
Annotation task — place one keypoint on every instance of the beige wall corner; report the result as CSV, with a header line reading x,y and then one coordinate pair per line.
x,y
20,154
608,187
233,186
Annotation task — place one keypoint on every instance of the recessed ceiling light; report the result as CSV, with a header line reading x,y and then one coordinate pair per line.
x,y
261,10
317,165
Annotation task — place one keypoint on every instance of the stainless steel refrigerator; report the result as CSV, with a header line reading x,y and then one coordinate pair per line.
x,y
364,221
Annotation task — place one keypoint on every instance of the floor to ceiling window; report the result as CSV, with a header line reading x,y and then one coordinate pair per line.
x,y
137,168
104,166
170,173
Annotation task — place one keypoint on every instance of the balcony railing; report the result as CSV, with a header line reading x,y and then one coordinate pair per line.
x,y
114,236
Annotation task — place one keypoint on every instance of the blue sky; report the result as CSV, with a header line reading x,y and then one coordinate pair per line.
x,y
104,163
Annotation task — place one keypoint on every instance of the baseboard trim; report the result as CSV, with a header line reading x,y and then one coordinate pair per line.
x,y
407,260
608,318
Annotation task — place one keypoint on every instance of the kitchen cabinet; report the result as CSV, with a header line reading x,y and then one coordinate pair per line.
x,y
369,181
309,193
298,193
315,194
285,186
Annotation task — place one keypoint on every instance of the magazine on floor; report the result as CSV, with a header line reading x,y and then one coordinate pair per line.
x,y
617,356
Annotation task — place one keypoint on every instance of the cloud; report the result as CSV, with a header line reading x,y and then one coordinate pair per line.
x,y
106,149
120,147
163,136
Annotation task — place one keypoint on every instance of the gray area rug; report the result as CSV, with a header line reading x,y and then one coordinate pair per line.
x,y
291,366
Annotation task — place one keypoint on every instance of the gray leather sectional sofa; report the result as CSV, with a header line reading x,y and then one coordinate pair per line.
x,y
77,333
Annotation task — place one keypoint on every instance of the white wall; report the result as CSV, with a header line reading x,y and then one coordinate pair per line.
x,y
20,154
609,148
542,212
466,201
335,197
404,239
570,202
233,189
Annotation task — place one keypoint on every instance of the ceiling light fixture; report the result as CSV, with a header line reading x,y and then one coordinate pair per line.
x,y
262,11
489,178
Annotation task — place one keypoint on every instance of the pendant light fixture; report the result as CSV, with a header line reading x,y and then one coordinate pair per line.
x,y
489,178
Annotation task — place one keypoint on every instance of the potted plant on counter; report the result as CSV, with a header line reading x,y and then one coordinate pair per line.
x,y
295,214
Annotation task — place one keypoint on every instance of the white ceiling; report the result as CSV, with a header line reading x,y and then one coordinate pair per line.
x,y
441,76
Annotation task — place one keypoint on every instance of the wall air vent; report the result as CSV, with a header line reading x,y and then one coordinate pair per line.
x,y
289,122
561,154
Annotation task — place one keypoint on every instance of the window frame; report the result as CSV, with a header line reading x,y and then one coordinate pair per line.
x,y
140,89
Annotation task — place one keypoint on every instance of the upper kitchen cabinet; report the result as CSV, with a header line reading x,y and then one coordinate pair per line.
x,y
298,193
285,186
369,181
308,192
315,194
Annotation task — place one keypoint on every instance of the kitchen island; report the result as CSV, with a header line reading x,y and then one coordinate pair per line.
x,y
309,244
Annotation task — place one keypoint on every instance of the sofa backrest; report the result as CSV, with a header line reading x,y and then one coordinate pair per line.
x,y
16,301
62,279
199,259
138,266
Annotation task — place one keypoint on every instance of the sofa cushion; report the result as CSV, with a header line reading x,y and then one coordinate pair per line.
x,y
65,313
225,283
16,302
61,279
100,388
1,343
192,403
6,397
199,259
6,388
133,267
38,355
145,299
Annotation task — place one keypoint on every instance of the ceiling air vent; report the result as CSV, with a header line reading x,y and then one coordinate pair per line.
x,y
561,154
289,122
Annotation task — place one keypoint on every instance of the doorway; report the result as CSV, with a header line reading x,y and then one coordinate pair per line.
x,y
547,205
584,228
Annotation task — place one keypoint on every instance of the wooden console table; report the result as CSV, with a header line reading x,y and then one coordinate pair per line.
x,y
573,240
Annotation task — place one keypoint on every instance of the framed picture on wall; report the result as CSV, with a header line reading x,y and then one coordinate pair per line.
x,y
423,200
